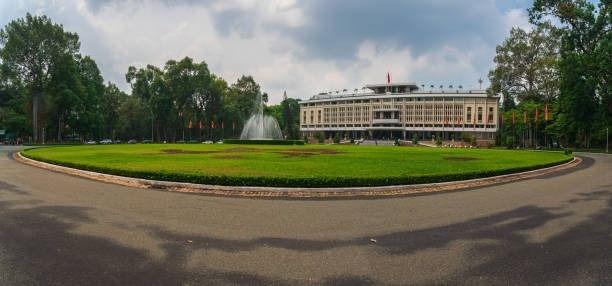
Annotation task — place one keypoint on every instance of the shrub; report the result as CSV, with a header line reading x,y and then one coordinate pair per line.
x,y
336,138
510,142
438,141
415,139
320,137
264,142
473,141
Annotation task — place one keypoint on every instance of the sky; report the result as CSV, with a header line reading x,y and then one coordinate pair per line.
x,y
301,47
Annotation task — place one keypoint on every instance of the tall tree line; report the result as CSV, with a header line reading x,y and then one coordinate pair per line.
x,y
51,92
555,79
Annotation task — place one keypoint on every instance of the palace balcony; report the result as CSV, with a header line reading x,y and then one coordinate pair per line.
x,y
385,121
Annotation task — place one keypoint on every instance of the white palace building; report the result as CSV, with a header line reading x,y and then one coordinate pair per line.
x,y
401,110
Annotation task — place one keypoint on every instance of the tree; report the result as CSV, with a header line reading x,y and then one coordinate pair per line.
x,y
242,99
110,105
585,64
526,66
148,85
244,93
90,123
66,96
13,105
31,47
291,118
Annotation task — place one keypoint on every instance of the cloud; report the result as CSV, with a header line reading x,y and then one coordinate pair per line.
x,y
303,47
517,18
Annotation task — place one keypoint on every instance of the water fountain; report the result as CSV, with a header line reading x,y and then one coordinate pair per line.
x,y
260,126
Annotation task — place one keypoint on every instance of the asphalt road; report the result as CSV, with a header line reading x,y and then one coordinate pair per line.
x,y
61,230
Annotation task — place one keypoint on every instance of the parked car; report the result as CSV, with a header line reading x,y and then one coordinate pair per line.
x,y
117,142
147,141
91,142
106,141
132,141
207,142
219,142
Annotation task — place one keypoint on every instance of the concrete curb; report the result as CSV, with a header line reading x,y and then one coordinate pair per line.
x,y
298,193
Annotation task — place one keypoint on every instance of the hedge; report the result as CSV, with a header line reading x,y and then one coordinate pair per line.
x,y
313,182
264,142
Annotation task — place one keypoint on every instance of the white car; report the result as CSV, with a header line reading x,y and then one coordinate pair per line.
x,y
106,141
219,142
91,142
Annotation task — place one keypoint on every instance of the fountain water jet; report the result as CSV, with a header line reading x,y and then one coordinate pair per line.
x,y
260,126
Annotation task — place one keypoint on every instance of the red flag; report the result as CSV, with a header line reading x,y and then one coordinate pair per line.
x,y
190,124
388,78
546,112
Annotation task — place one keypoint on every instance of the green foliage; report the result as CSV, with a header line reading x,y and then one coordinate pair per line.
x,y
287,115
563,63
473,141
525,66
466,137
32,47
295,166
583,108
336,138
320,137
438,141
415,139
264,142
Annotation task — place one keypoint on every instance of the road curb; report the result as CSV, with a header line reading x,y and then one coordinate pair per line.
x,y
298,193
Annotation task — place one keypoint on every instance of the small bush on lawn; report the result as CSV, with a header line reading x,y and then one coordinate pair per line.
x,y
336,138
438,141
320,137
415,139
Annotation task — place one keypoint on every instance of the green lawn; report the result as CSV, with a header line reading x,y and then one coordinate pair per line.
x,y
313,166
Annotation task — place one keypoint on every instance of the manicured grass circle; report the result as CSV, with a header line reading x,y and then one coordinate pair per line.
x,y
295,166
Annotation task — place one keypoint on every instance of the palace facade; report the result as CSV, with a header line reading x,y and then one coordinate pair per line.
x,y
401,110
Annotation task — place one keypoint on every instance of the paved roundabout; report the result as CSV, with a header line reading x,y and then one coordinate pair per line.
x,y
57,229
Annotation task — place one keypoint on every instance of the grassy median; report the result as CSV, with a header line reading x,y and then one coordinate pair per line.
x,y
295,166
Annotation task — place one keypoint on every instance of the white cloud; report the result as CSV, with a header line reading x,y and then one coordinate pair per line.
x,y
257,41
517,18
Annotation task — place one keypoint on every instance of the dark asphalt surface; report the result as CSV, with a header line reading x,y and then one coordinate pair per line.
x,y
61,230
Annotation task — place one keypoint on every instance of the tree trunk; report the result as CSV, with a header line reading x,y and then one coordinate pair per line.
x,y
35,99
59,129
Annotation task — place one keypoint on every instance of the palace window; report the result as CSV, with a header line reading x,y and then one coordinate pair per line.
x,y
490,115
469,114
479,114
319,116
